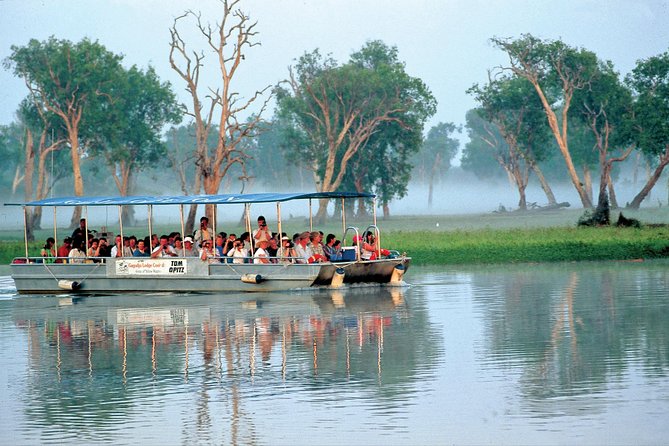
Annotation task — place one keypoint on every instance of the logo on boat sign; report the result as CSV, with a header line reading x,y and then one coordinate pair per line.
x,y
151,267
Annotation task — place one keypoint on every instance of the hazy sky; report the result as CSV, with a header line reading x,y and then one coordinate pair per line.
x,y
444,42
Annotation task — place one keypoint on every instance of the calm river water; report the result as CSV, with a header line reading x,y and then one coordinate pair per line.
x,y
535,354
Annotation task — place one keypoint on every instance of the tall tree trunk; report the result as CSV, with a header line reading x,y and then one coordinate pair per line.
x,y
28,182
76,173
612,193
645,191
386,210
433,172
544,184
587,183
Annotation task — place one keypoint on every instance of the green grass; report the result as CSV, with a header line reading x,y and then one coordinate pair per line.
x,y
467,239
530,245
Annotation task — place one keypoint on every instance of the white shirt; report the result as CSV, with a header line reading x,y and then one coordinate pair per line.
x,y
261,256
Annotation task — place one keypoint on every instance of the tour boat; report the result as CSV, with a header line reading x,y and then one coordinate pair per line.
x,y
36,275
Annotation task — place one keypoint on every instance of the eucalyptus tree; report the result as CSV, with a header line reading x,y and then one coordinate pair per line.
x,y
130,128
70,81
649,81
480,153
218,108
437,152
605,107
509,104
556,71
337,110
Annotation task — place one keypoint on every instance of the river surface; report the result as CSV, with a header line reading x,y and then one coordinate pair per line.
x,y
573,353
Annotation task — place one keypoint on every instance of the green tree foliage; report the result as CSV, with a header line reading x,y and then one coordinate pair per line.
x,y
649,81
485,145
68,80
556,71
604,109
11,151
438,150
509,103
336,110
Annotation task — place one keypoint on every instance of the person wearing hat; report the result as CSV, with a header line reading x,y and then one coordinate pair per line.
x,y
302,250
261,255
187,250
286,252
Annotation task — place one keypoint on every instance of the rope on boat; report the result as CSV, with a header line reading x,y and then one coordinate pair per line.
x,y
72,285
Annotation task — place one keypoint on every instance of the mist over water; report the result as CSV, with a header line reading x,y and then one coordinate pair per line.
x,y
461,193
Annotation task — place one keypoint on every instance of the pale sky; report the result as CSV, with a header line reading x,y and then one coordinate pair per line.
x,y
443,42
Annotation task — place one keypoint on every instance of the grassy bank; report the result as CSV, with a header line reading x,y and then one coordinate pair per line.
x,y
530,244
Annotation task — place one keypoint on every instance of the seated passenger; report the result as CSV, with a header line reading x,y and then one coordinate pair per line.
x,y
188,249
237,253
261,255
163,249
331,252
93,248
207,253
273,250
302,250
78,253
317,254
286,253
48,252
64,250
142,250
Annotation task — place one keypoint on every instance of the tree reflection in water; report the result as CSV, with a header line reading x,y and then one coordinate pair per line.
x,y
574,330
224,349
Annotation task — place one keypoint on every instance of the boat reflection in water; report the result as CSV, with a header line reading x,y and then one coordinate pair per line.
x,y
114,354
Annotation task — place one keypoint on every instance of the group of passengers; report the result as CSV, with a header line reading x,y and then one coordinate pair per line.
x,y
259,246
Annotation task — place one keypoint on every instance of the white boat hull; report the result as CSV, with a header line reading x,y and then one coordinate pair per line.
x,y
190,275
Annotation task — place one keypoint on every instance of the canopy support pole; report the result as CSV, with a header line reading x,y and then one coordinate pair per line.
x,y
120,222
247,215
25,230
150,228
55,231
374,209
181,217
311,218
343,218
278,219
86,228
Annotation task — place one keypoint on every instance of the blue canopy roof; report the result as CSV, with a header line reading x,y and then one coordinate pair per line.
x,y
189,199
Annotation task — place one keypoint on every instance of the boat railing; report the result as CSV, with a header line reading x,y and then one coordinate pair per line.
x,y
356,240
377,236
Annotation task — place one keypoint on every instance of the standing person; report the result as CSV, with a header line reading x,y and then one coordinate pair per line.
x,y
127,250
203,233
262,233
64,250
80,232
